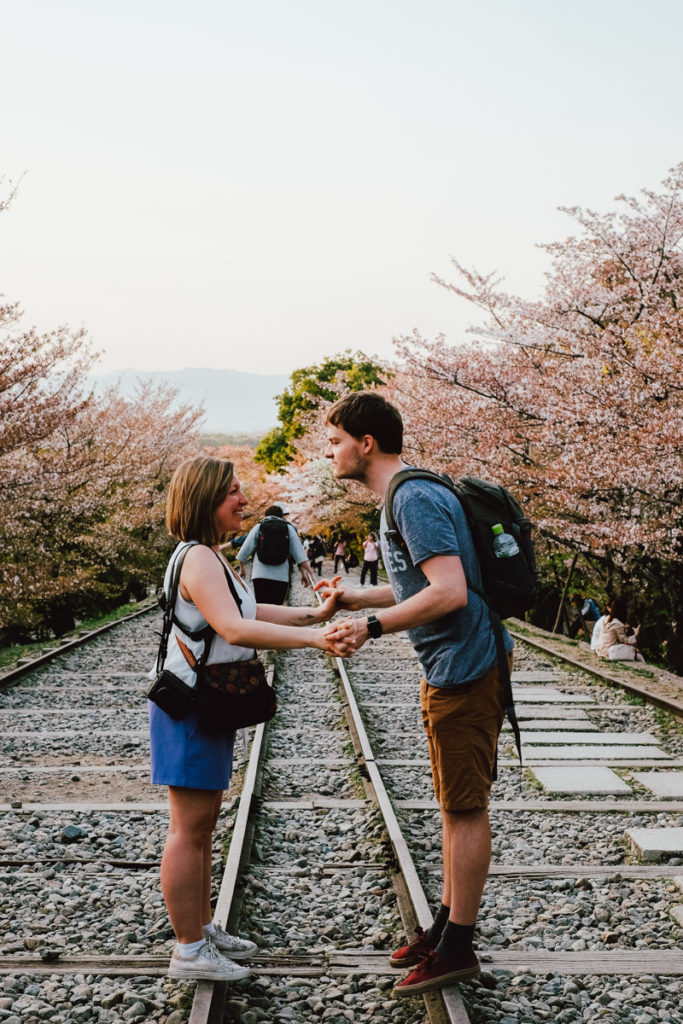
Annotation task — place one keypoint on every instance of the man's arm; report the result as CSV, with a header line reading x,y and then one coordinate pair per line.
x,y
354,599
446,592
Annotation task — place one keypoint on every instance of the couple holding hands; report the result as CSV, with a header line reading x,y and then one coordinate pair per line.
x,y
434,577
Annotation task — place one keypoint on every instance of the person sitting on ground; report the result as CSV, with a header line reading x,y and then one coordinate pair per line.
x,y
271,580
618,641
597,629
205,502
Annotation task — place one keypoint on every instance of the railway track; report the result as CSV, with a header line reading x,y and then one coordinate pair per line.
x,y
334,849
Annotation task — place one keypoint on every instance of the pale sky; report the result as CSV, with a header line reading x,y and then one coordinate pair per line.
x,y
256,186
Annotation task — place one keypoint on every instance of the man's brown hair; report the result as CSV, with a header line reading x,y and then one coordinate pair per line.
x,y
198,486
366,412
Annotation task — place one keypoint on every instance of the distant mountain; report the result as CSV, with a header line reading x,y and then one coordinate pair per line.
x,y
234,402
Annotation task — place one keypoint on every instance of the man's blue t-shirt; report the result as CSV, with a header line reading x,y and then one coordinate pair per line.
x,y
460,646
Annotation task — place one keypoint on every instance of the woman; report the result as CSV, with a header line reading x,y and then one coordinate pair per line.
x,y
205,502
614,642
370,559
340,555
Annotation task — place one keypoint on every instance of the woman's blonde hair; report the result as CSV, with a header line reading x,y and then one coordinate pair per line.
x,y
198,486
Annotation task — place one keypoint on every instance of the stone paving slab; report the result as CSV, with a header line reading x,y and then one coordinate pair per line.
x,y
552,725
581,780
592,753
565,713
548,695
654,844
606,738
662,783
535,677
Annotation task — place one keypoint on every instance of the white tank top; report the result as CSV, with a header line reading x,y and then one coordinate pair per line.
x,y
190,616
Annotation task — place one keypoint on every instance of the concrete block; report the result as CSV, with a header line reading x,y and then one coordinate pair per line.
x,y
662,783
548,695
554,725
606,738
656,844
593,753
569,714
535,677
598,779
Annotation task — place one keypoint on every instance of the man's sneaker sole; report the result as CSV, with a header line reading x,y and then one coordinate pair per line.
x,y
451,978
407,961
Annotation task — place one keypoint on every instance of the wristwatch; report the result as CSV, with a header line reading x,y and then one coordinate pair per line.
x,y
374,627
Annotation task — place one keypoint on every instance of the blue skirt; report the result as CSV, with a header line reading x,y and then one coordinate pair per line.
x,y
183,755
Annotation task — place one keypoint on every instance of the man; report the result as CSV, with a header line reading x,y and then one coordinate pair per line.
x,y
449,627
271,581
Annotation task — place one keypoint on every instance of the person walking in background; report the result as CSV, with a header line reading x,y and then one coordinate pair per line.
x,y
433,593
340,555
272,543
205,502
370,559
316,554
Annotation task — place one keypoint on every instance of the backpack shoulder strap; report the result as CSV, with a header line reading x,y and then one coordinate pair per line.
x,y
396,481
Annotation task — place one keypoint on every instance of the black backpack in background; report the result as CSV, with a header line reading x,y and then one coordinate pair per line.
x,y
272,543
509,585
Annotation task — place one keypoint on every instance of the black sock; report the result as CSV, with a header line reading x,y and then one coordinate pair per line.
x,y
456,939
434,933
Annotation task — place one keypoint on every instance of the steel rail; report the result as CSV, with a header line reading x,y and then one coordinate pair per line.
x,y
47,655
209,997
456,1012
674,707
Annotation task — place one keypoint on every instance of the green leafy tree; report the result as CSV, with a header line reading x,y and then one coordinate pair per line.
x,y
310,386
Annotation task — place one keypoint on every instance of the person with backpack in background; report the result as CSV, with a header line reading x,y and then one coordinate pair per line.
x,y
435,592
272,543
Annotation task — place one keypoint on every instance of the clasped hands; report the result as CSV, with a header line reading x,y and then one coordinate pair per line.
x,y
346,636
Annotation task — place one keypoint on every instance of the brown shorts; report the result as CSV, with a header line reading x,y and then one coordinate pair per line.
x,y
462,725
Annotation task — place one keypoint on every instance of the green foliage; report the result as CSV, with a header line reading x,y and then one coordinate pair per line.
x,y
275,451
311,385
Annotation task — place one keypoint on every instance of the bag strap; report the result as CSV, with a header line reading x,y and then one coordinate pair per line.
x,y
208,633
505,681
169,605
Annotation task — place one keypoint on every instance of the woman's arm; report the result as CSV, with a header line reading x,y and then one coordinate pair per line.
x,y
202,581
303,616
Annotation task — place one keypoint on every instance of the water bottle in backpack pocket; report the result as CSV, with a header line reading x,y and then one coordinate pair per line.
x,y
504,544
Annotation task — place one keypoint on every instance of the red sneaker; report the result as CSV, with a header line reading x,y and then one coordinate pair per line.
x,y
436,971
414,952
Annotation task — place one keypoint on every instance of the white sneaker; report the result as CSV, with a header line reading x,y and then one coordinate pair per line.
x,y
232,945
207,964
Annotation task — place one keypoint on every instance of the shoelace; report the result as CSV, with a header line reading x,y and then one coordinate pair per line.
x,y
212,953
232,941
428,961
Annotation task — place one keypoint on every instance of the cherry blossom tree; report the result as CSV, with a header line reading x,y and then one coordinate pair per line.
x,y
574,400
